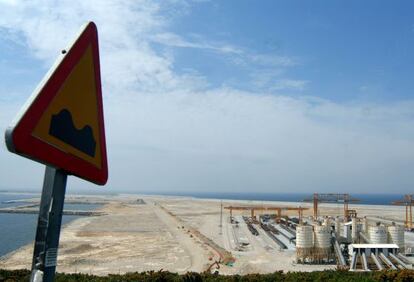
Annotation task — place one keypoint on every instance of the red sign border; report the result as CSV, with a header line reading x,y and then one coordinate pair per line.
x,y
19,138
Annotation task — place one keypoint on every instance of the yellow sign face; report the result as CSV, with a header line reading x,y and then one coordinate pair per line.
x,y
70,123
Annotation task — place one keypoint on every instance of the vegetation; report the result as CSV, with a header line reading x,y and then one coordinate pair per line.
x,y
322,276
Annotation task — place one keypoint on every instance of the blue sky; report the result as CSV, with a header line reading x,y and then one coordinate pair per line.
x,y
344,50
339,50
19,71
299,96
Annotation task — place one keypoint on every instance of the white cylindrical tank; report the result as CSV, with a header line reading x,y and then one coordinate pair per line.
x,y
354,229
337,226
326,221
365,225
304,243
322,243
378,234
322,237
304,237
396,236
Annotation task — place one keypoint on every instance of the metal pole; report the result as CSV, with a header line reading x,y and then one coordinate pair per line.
x,y
49,223
411,213
221,217
43,218
346,209
406,216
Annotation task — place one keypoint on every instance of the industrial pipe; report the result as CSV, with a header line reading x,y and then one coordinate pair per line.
x,y
377,261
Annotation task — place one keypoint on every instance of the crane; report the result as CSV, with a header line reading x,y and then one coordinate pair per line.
x,y
332,198
279,210
408,202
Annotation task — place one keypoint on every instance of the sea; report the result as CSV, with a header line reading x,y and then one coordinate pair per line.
x,y
363,199
17,230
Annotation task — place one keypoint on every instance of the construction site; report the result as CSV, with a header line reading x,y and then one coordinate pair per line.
x,y
180,234
347,241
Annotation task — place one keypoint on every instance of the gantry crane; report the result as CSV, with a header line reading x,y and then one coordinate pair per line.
x,y
332,198
279,210
408,203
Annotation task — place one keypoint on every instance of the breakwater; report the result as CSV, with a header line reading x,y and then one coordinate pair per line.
x,y
77,213
32,209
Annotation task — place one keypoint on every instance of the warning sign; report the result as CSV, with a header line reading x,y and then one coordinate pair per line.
x,y
70,122
63,125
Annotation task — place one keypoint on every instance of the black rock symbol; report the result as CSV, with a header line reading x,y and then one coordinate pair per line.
x,y
63,128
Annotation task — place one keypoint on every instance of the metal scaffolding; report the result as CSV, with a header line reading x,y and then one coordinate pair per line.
x,y
332,198
408,202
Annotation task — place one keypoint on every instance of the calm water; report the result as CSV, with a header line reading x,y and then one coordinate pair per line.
x,y
366,199
17,230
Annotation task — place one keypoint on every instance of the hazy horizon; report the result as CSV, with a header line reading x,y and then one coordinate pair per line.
x,y
80,191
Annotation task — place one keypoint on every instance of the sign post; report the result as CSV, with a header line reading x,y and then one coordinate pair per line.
x,y
62,126
48,225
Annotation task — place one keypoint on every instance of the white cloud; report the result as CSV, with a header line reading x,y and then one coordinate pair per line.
x,y
174,40
165,131
273,60
289,84
9,2
226,139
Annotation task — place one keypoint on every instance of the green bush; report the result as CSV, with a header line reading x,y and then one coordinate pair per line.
x,y
160,276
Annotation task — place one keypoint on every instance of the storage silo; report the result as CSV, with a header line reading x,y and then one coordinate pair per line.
x,y
378,234
322,243
304,242
365,225
354,230
337,226
396,236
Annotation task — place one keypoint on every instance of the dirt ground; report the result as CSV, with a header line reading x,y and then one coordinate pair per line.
x,y
178,234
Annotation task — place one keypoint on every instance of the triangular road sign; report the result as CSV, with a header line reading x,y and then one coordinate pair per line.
x,y
62,124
